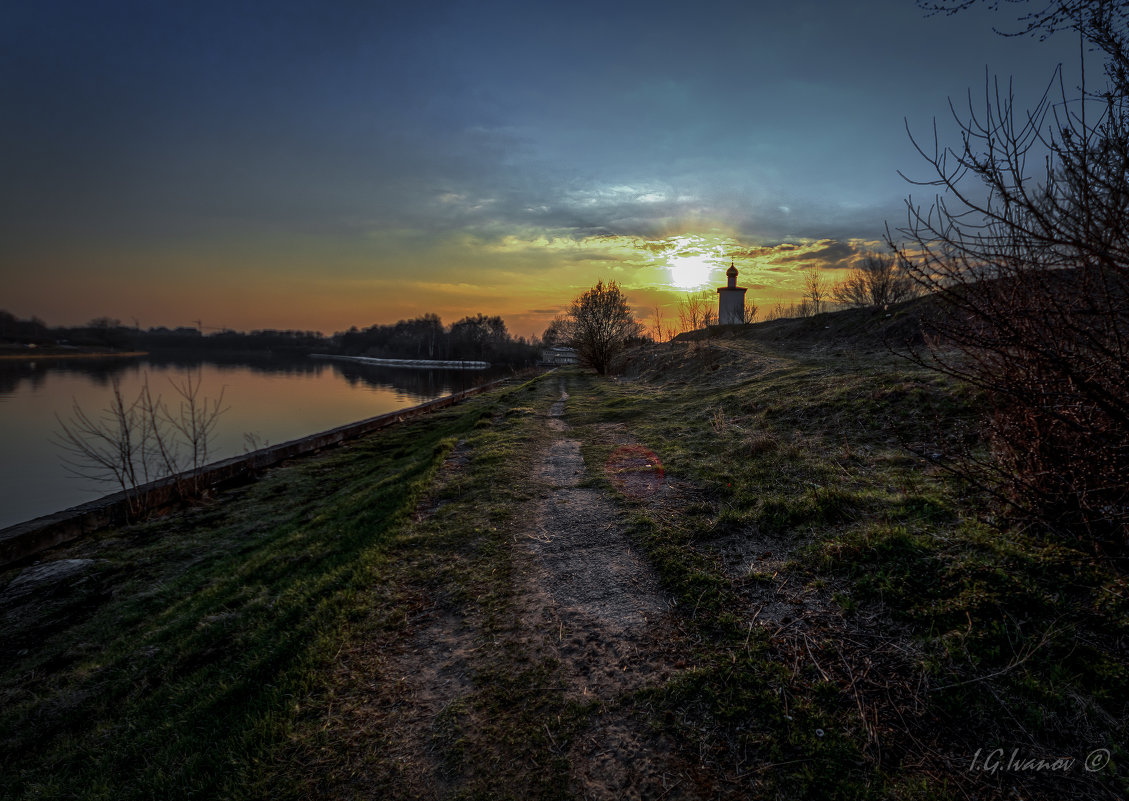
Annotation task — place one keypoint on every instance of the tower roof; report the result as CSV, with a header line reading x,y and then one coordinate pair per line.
x,y
732,269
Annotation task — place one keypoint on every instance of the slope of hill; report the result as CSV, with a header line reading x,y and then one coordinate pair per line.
x,y
896,327
721,576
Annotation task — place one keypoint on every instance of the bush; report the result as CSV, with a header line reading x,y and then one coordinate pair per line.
x,y
1033,276
600,325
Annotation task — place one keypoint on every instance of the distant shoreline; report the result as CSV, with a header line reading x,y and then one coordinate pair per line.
x,y
35,355
420,363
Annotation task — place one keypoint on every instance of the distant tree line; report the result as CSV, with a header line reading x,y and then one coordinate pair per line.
x,y
471,338
33,331
875,282
477,337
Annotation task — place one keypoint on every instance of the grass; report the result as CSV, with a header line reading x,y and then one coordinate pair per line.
x,y
450,576
848,624
1016,639
176,665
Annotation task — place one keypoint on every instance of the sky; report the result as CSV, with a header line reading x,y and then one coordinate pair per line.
x,y
327,164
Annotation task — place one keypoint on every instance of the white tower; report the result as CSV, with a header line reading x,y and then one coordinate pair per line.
x,y
731,300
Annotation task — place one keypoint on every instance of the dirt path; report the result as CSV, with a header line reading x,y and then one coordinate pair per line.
x,y
606,620
582,607
600,595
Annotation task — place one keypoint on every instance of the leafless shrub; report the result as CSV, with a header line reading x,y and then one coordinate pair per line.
x,y
1033,275
709,315
103,448
878,281
697,311
253,441
816,292
132,443
786,311
195,422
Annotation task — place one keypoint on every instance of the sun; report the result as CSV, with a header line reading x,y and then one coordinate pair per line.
x,y
689,271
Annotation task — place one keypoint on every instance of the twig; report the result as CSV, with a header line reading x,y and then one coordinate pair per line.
x,y
815,662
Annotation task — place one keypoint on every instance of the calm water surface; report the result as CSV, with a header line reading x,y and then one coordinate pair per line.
x,y
273,399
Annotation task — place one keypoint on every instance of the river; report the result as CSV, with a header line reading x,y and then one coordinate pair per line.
x,y
267,400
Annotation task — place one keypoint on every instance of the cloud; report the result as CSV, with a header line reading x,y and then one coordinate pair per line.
x,y
826,253
592,257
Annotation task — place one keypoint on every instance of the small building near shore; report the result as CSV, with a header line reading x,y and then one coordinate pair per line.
x,y
559,355
731,300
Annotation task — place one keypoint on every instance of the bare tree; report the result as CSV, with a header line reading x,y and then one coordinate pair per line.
x,y
697,310
657,331
749,312
1099,23
106,447
783,311
601,324
131,444
709,310
558,332
852,290
877,282
195,421
1033,275
690,312
815,292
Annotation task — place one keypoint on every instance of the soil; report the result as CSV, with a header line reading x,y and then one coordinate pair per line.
x,y
587,585
586,601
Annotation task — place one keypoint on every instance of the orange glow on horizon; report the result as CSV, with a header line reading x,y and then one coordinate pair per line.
x,y
526,279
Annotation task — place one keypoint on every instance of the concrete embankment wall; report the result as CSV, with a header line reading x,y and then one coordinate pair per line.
x,y
26,539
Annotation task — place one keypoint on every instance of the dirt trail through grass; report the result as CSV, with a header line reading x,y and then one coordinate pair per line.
x,y
585,605
601,613
512,666
599,587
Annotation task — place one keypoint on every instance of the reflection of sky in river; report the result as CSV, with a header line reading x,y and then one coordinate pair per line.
x,y
274,400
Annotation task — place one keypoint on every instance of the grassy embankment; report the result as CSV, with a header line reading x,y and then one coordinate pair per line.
x,y
851,628
927,634
177,663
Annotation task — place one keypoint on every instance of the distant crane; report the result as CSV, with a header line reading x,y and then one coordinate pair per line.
x,y
201,327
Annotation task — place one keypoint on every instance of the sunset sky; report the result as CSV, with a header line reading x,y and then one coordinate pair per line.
x,y
318,165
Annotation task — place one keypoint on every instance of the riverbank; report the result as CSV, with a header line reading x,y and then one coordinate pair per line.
x,y
720,577
268,399
25,539
36,354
